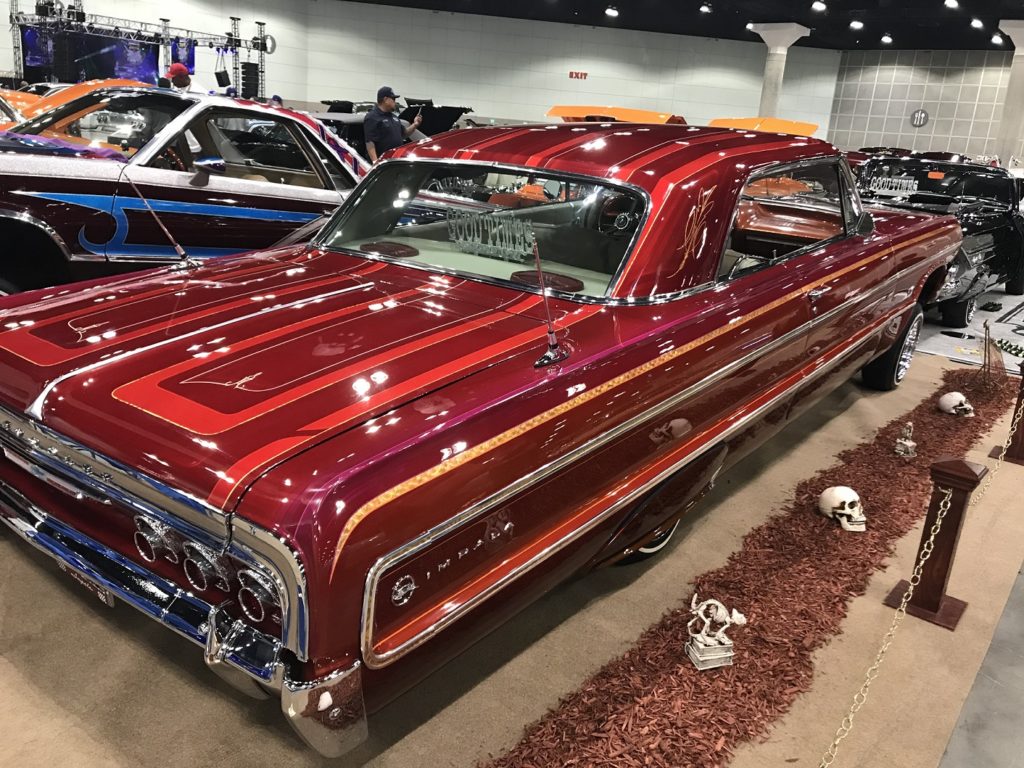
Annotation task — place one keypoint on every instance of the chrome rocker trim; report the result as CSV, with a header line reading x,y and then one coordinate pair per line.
x,y
328,714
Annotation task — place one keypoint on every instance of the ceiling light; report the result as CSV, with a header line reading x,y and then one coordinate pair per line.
x,y
952,3
612,11
997,39
856,24
818,6
887,39
750,26
977,23
705,8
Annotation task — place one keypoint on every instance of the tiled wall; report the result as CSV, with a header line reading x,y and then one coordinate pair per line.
x,y
500,67
878,91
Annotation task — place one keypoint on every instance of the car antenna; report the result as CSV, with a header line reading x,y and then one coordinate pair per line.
x,y
556,353
185,261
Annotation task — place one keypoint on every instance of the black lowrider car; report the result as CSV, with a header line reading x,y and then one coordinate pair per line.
x,y
987,203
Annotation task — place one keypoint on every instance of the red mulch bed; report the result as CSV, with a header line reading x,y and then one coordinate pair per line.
x,y
793,578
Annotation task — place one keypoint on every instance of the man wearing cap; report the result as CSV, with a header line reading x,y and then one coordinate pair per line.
x,y
382,129
181,81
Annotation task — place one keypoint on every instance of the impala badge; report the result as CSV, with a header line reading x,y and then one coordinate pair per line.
x,y
401,593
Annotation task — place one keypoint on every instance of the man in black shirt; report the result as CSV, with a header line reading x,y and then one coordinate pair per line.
x,y
382,129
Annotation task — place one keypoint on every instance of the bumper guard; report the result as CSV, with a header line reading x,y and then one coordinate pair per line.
x,y
329,713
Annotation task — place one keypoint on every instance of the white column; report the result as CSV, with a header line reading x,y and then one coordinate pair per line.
x,y
1011,123
778,38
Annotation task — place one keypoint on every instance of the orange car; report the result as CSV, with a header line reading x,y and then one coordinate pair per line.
x,y
584,114
14,103
63,96
767,124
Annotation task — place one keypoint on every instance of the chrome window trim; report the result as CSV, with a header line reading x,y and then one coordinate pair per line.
x,y
52,233
758,172
607,298
96,474
430,537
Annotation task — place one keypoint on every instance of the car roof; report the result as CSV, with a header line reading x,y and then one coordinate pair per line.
x,y
637,153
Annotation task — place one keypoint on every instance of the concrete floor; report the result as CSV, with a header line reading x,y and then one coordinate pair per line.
x,y
988,733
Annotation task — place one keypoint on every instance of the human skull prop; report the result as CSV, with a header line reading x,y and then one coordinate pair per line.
x,y
843,504
955,403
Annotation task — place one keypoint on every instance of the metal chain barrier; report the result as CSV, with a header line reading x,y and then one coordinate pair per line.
x,y
861,696
926,551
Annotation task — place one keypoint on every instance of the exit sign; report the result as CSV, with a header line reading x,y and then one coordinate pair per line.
x,y
577,75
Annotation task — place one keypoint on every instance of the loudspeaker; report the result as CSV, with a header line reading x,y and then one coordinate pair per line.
x,y
44,9
223,78
65,69
250,79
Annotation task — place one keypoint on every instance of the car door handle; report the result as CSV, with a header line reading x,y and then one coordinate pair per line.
x,y
817,293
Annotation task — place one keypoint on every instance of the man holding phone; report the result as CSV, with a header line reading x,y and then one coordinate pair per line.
x,y
382,130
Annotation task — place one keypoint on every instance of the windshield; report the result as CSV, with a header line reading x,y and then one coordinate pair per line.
x,y
124,121
482,222
917,181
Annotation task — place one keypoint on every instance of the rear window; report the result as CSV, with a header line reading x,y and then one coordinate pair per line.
x,y
484,222
920,180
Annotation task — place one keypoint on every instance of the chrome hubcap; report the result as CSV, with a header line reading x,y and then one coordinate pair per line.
x,y
909,345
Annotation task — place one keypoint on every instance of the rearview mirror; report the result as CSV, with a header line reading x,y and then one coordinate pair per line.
x,y
865,224
210,165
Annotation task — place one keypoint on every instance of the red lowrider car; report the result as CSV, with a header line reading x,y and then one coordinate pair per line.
x,y
336,465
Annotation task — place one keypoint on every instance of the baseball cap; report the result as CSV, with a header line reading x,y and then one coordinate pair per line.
x,y
384,92
176,69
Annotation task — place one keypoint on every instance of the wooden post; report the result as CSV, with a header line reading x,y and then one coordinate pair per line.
x,y
1015,453
930,601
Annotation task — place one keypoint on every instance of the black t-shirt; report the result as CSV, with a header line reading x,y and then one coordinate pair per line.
x,y
384,129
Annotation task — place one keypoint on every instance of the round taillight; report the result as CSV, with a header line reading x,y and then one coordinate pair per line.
x,y
255,596
153,540
146,546
202,568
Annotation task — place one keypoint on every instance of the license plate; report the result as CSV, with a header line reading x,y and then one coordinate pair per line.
x,y
105,595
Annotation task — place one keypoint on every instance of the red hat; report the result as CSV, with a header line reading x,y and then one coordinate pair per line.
x,y
176,69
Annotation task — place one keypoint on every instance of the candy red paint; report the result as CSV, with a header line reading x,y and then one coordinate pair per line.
x,y
309,393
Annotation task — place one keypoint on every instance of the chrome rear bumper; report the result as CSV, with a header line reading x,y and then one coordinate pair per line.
x,y
329,714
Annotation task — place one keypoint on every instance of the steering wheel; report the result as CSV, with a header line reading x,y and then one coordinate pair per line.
x,y
616,215
173,159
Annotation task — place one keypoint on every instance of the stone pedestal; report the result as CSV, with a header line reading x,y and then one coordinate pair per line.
x,y
705,656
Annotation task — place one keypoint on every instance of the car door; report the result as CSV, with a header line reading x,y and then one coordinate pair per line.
x,y
845,280
230,181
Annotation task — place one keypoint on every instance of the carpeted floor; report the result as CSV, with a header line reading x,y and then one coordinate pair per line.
x,y
81,685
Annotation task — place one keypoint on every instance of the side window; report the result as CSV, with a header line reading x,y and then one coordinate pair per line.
x,y
781,212
255,148
341,179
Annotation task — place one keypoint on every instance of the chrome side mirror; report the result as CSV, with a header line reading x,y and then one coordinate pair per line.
x,y
210,165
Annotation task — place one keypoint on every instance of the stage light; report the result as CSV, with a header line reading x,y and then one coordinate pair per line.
x,y
611,11
855,24
952,3
750,26
705,8
818,6
977,23
997,39
886,39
